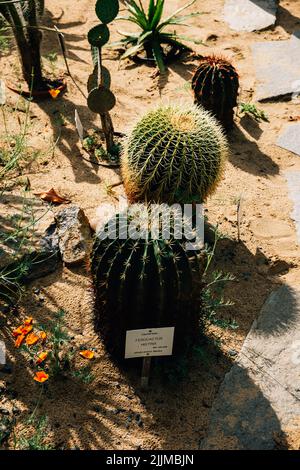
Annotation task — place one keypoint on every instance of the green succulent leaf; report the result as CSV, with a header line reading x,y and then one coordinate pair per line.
x,y
99,35
107,10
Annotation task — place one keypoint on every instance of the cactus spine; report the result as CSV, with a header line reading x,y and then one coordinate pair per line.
x,y
174,154
144,283
216,84
101,100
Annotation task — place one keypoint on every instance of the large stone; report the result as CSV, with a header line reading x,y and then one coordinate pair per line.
x,y
290,138
250,15
260,396
293,179
277,65
74,235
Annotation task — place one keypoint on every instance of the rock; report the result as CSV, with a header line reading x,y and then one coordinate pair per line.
x,y
250,15
278,267
293,179
257,398
277,65
290,138
74,235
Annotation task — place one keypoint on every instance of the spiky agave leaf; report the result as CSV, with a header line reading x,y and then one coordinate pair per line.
x,y
174,153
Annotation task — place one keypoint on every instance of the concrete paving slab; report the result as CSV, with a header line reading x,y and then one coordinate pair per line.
x,y
260,396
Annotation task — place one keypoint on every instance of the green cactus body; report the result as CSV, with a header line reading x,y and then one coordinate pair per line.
x,y
174,154
216,84
144,283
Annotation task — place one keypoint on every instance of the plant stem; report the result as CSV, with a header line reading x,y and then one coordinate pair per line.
x,y
108,130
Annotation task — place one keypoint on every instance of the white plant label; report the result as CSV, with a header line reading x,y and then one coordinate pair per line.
x,y
2,353
149,342
79,125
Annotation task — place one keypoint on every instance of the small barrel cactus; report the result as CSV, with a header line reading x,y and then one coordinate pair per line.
x,y
174,154
145,283
216,84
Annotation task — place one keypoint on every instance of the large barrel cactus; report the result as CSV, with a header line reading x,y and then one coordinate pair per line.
x,y
216,85
174,154
145,283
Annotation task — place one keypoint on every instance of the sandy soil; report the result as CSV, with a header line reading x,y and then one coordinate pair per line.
x,y
175,416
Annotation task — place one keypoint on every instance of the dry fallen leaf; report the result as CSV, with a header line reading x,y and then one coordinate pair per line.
x,y
41,377
52,196
87,354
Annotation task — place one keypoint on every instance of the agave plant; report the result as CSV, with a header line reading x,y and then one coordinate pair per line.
x,y
23,18
158,44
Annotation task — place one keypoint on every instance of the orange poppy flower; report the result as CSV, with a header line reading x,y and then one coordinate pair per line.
x,y
87,354
22,330
54,93
41,357
32,339
43,336
19,340
41,377
28,321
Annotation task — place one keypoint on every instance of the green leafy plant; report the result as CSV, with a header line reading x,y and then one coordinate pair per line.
x,y
251,110
174,154
215,85
4,37
158,44
101,100
34,434
144,283
213,292
23,19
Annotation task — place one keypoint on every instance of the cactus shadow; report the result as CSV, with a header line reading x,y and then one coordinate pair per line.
x,y
184,415
246,155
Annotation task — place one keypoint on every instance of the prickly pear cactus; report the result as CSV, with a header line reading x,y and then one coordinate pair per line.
x,y
174,154
145,283
216,84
